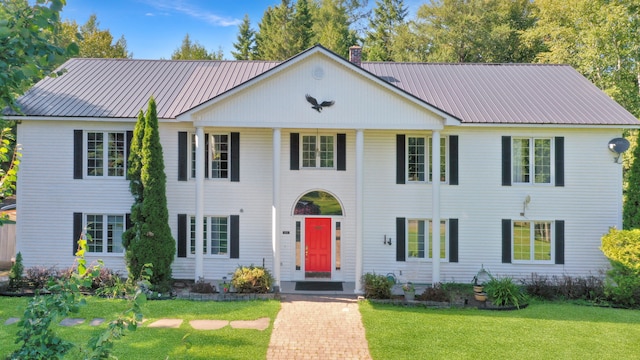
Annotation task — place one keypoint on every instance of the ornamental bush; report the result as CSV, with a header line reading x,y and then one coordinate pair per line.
x,y
622,285
252,279
376,286
504,292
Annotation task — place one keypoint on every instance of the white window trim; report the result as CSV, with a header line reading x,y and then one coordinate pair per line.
x,y
191,160
207,239
105,246
552,159
428,141
105,155
552,244
318,159
428,240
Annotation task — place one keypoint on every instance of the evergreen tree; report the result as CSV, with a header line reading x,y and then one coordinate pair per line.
x,y
331,27
134,169
388,15
92,41
189,50
154,243
274,39
303,25
245,47
631,207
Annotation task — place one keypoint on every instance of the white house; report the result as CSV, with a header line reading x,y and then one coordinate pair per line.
x,y
256,174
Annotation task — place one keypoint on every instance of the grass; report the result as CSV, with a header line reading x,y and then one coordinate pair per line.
x,y
541,331
148,343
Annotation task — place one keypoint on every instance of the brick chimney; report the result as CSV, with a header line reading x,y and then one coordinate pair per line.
x,y
355,55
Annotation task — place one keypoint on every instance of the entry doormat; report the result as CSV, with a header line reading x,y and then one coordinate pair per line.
x,y
318,286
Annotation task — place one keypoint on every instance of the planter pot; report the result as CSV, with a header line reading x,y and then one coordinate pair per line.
x,y
478,288
480,296
410,296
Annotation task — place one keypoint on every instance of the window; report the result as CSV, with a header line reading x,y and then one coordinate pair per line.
x,y
318,151
215,235
532,241
418,158
104,233
217,148
419,239
532,160
106,154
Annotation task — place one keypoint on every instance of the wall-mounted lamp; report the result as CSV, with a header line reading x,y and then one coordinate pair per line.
x,y
525,204
618,146
387,241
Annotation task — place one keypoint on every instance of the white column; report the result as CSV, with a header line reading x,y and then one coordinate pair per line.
x,y
200,149
275,206
359,207
435,203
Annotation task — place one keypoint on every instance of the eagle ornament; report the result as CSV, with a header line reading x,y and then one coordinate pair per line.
x,y
314,103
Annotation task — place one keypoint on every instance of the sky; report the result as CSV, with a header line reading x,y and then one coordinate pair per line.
x,y
154,29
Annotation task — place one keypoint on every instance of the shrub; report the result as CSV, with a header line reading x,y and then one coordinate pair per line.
x,y
504,292
202,287
435,293
39,276
376,286
540,286
252,279
622,285
566,287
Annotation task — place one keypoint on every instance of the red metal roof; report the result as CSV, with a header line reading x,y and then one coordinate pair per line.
x,y
474,93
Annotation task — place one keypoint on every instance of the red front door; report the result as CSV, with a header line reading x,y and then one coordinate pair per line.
x,y
317,237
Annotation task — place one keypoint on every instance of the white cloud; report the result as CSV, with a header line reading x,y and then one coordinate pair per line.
x,y
189,9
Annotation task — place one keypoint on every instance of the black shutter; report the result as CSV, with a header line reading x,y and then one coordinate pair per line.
x,y
506,241
206,156
128,153
77,231
183,158
234,228
400,239
453,240
235,156
341,147
453,160
182,235
294,149
560,242
400,159
506,161
559,160
77,155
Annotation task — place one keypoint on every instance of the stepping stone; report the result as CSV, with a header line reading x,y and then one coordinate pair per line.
x,y
208,324
96,322
166,323
71,322
259,324
11,320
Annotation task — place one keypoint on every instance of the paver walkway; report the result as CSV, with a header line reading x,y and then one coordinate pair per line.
x,y
315,327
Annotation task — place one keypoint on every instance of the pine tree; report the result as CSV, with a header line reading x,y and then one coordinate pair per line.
x,y
303,25
388,16
274,38
154,243
246,41
331,27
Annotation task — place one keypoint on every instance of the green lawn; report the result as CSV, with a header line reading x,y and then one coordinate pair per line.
x,y
148,343
541,331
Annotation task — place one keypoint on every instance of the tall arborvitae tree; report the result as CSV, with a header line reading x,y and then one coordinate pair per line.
x,y
134,170
154,243
245,47
388,16
631,207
